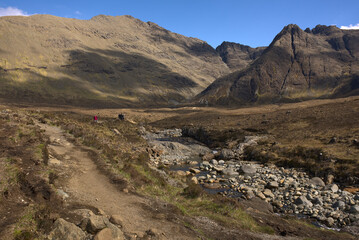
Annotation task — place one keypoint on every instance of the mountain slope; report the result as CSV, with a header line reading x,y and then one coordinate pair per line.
x,y
104,61
298,65
238,56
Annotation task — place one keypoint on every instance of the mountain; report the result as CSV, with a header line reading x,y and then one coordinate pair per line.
x,y
298,65
238,56
105,61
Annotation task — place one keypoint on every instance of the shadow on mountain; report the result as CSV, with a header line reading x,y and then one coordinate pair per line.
x,y
100,78
119,69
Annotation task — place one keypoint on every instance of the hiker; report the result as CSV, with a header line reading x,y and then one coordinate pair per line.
x,y
95,118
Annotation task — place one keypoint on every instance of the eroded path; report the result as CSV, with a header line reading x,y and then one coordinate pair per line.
x,y
88,186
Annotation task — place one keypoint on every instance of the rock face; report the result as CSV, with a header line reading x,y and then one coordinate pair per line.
x,y
106,60
238,56
298,65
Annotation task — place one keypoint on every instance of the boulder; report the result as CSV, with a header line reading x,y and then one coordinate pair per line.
x,y
230,172
248,169
354,209
268,193
116,219
332,187
272,185
194,180
226,154
317,182
339,204
194,170
329,221
213,162
94,223
63,230
330,179
302,200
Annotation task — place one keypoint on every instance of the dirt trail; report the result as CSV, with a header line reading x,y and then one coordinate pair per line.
x,y
87,185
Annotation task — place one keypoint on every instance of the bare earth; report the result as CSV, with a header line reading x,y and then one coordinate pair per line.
x,y
88,186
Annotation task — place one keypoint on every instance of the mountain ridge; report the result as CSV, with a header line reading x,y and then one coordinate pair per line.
x,y
110,60
297,65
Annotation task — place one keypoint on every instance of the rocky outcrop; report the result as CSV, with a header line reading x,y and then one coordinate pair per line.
x,y
298,65
238,56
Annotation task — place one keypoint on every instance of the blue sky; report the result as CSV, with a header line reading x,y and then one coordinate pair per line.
x,y
254,23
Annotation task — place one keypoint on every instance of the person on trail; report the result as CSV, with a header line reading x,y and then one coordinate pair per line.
x,y
95,118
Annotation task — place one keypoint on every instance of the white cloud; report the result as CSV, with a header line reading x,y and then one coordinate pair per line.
x,y
350,27
78,12
12,11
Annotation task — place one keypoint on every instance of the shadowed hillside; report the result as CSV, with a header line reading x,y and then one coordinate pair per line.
x,y
298,65
107,61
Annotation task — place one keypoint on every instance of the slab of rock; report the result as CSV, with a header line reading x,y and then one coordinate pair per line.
x,y
317,182
63,230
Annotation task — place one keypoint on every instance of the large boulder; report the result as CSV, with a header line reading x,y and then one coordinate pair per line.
x,y
63,230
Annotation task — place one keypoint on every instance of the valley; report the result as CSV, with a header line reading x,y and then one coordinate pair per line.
x,y
155,187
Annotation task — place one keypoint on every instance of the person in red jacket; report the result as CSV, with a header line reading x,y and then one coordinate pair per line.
x,y
95,118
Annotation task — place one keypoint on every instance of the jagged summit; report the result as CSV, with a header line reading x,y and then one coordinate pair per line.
x,y
297,65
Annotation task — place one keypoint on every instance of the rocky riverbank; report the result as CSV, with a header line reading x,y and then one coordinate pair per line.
x,y
290,191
